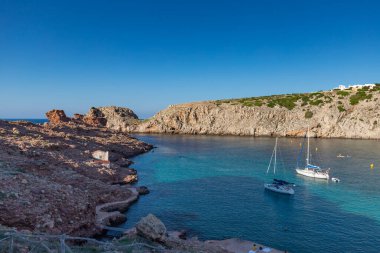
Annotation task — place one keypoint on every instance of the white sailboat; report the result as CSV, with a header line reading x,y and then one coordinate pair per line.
x,y
278,185
311,170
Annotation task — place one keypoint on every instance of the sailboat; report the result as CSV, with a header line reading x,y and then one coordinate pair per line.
x,y
280,186
311,170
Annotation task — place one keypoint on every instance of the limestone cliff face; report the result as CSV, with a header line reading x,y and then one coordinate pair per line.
x,y
329,116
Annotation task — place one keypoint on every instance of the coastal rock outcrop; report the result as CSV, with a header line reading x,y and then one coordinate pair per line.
x,y
57,116
112,117
118,118
152,228
329,114
95,118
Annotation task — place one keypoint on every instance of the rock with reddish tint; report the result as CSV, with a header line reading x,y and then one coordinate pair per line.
x,y
95,118
129,179
57,116
78,116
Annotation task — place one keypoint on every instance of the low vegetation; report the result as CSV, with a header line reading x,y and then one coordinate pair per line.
x,y
341,108
290,101
308,114
359,96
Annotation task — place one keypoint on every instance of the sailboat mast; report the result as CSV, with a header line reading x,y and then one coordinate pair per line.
x,y
308,146
275,157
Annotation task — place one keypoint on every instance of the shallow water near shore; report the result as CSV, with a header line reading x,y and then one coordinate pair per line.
x,y
212,186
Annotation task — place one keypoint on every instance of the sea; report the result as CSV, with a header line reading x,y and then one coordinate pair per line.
x,y
36,121
213,187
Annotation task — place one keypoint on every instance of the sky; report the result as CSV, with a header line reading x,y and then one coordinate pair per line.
x,y
148,54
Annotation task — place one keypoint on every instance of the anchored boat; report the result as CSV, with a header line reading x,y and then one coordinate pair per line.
x,y
311,170
280,186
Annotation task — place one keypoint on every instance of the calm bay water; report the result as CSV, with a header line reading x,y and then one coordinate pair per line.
x,y
213,187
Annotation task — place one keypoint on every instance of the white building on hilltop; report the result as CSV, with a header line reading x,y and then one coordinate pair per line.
x,y
340,87
355,86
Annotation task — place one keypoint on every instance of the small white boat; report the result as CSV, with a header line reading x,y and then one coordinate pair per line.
x,y
336,180
279,186
340,156
312,170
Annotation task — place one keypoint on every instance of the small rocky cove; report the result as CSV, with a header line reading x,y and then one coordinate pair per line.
x,y
73,176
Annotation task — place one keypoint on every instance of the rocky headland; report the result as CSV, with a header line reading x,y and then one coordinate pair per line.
x,y
52,182
351,113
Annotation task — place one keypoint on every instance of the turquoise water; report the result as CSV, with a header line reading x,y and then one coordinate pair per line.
x,y
213,187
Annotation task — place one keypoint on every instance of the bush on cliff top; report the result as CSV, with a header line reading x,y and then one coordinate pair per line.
x,y
359,96
341,108
343,93
308,114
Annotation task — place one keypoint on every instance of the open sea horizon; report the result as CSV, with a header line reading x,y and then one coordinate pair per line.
x,y
213,187
36,121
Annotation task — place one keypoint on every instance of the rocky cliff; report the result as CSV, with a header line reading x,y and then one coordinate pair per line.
x,y
342,114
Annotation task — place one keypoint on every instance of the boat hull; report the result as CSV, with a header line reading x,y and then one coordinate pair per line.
x,y
313,174
279,189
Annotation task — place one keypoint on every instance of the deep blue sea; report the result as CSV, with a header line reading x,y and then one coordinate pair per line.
x,y
37,121
213,187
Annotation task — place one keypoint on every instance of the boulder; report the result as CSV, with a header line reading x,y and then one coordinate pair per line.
x,y
57,116
95,118
151,228
142,190
130,179
15,131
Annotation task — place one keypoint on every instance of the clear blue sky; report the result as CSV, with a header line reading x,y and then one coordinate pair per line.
x,y
148,54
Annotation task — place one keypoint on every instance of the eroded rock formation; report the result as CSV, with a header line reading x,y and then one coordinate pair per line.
x,y
57,116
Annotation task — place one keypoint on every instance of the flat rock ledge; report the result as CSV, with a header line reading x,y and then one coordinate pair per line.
x,y
111,214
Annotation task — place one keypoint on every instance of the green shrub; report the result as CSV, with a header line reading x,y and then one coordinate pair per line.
x,y
316,102
317,94
308,114
341,108
328,99
343,93
359,96
247,103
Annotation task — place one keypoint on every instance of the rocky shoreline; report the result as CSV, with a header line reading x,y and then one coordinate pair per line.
x,y
49,180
